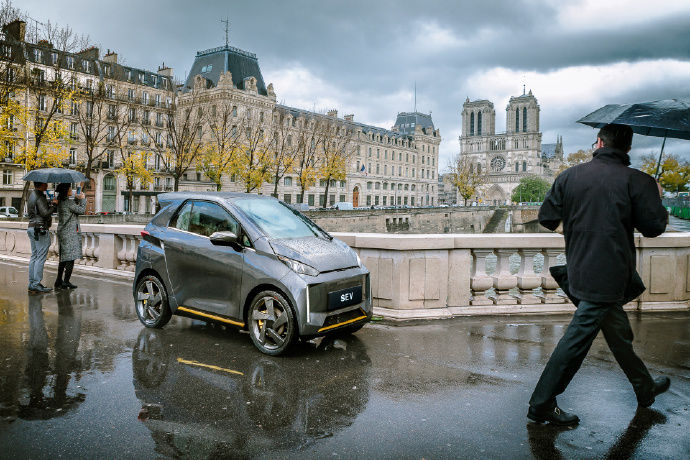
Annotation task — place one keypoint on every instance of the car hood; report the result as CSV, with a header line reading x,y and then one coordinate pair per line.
x,y
320,253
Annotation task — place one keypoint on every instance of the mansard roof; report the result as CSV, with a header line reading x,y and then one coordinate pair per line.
x,y
295,112
45,54
211,63
408,121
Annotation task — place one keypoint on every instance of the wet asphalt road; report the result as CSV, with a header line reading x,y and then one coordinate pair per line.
x,y
80,377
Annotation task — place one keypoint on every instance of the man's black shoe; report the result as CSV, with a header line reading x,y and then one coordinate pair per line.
x,y
555,416
661,384
59,285
68,285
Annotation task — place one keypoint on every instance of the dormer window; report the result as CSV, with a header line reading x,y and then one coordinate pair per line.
x,y
207,68
69,60
54,58
38,55
86,65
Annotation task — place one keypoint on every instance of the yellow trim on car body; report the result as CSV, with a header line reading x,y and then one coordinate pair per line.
x,y
214,317
359,318
209,366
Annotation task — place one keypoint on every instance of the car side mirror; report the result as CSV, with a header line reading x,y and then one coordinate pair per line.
x,y
224,238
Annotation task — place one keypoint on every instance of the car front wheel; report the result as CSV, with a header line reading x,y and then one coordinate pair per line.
x,y
152,302
272,323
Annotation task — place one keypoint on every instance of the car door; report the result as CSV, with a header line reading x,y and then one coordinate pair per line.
x,y
204,276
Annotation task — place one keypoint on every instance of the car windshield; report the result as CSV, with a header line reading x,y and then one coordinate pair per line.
x,y
275,219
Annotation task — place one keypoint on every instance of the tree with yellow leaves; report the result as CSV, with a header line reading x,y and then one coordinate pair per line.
x,y
337,151
218,155
33,134
134,168
252,161
312,136
465,177
579,157
674,173
284,146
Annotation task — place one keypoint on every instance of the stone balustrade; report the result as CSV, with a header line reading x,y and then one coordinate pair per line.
x,y
421,276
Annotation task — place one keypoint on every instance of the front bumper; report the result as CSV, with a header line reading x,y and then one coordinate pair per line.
x,y
311,299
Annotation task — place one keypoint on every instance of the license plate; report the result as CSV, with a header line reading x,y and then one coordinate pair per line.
x,y
344,297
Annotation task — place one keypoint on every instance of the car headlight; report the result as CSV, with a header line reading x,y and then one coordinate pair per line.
x,y
299,267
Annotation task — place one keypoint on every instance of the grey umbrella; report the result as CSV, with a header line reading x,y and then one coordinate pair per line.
x,y
665,118
55,176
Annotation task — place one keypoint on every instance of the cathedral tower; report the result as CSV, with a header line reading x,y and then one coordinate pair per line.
x,y
478,118
522,114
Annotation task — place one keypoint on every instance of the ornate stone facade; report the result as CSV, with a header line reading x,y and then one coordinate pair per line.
x,y
506,157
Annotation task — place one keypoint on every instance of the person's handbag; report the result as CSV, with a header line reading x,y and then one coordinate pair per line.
x,y
560,273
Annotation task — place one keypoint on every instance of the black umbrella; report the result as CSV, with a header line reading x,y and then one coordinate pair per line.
x,y
55,176
666,118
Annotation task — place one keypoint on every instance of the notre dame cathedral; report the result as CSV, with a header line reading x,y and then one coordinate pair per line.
x,y
507,157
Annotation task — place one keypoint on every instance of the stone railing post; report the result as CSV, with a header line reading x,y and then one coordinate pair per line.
x,y
503,280
480,282
548,284
527,279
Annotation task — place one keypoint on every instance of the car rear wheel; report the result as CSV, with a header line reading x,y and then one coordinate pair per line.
x,y
272,323
152,302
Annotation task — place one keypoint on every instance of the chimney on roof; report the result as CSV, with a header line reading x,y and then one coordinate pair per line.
x,y
165,71
110,56
332,113
15,29
90,53
349,117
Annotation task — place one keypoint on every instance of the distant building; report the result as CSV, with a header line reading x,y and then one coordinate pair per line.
x,y
507,157
396,166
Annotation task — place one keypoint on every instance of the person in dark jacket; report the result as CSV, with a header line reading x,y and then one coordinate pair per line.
x,y
68,233
40,211
599,204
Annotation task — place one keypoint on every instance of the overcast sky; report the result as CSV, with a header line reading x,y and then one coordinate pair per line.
x,y
363,57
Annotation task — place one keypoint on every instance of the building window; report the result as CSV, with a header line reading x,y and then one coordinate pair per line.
x,y
287,181
524,119
42,102
517,166
524,166
234,110
145,97
73,156
311,200
7,177
472,124
368,200
287,198
479,124
130,94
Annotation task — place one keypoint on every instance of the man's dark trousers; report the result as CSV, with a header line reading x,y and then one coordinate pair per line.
x,y
571,350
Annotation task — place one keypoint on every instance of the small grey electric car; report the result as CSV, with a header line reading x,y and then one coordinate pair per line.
x,y
249,261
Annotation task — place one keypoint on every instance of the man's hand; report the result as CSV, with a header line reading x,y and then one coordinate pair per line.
x,y
661,190
81,196
559,229
54,202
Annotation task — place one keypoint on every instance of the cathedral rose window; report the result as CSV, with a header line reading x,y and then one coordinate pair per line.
x,y
498,163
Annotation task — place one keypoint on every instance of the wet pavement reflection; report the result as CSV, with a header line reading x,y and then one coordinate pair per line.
x,y
80,377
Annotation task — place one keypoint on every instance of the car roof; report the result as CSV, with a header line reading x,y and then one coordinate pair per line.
x,y
215,196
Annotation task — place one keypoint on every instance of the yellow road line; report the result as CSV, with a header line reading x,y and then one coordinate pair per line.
x,y
342,324
206,315
209,366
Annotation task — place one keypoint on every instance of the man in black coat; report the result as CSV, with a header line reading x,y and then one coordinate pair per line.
x,y
599,203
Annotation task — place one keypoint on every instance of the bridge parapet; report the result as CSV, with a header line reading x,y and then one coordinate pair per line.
x,y
440,275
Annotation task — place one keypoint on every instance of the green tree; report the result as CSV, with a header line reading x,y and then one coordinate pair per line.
x,y
530,189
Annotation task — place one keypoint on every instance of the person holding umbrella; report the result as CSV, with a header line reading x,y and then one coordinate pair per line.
x,y
68,234
40,211
599,204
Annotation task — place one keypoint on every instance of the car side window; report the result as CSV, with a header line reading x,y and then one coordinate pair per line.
x,y
181,219
208,218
